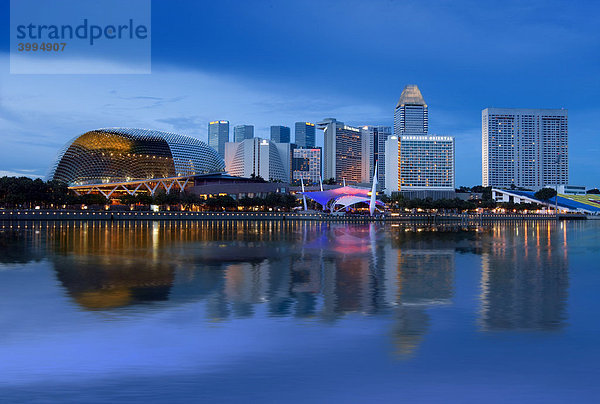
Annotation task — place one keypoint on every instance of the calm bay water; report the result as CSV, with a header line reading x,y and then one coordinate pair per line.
x,y
297,312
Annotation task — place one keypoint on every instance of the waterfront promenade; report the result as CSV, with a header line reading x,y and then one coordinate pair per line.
x,y
45,215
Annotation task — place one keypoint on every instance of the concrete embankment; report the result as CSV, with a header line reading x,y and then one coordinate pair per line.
x,y
34,215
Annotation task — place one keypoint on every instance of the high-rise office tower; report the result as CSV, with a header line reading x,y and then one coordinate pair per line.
x,y
306,165
305,134
373,146
280,134
218,135
424,163
342,151
410,115
524,147
243,132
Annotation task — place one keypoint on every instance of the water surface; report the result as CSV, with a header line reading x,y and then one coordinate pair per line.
x,y
294,312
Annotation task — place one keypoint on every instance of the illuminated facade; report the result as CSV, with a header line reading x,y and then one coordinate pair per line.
x,y
373,145
305,134
306,165
524,147
341,198
342,151
218,135
426,163
423,163
125,155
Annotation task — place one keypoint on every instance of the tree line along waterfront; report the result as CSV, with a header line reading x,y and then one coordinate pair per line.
x,y
27,193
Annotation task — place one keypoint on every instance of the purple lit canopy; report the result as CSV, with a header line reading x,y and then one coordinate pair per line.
x,y
344,196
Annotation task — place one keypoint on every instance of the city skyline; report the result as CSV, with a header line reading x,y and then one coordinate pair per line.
x,y
39,114
299,201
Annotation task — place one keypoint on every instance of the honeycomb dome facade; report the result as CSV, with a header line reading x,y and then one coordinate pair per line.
x,y
124,154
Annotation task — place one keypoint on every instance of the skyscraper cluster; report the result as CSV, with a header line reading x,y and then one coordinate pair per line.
x,y
520,148
275,158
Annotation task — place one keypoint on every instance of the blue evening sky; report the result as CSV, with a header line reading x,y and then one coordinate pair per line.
x,y
277,62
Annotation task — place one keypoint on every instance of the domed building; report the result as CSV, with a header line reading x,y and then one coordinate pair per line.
x,y
117,161
124,155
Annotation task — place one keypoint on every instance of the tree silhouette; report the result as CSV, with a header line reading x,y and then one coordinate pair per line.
x,y
545,194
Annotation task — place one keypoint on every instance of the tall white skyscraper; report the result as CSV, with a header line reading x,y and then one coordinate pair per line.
x,y
342,151
411,115
391,165
260,157
524,147
218,135
423,164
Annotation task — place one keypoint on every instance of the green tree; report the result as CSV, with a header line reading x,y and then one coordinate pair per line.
x,y
58,193
221,202
289,202
127,199
273,200
257,178
485,191
188,199
144,199
163,199
545,194
93,199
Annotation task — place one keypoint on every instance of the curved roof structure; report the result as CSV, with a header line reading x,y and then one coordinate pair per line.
x,y
345,196
126,154
411,95
567,202
346,201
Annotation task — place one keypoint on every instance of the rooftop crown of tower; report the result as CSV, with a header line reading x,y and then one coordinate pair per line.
x,y
411,95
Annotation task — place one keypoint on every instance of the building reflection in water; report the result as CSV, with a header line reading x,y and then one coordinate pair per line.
x,y
319,271
524,278
425,280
